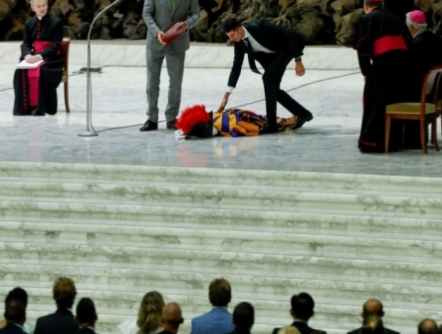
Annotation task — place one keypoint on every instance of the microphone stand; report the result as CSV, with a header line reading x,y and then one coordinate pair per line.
x,y
90,131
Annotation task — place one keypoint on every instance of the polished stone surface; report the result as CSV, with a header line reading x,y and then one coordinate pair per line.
x,y
326,144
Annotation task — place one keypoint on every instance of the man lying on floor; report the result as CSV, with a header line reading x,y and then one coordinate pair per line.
x,y
196,122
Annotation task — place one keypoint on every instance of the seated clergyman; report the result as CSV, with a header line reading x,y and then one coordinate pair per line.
x,y
36,89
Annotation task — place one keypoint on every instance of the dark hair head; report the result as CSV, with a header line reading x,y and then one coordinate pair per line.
x,y
19,294
64,292
302,306
374,4
427,326
230,24
86,313
243,316
15,311
220,292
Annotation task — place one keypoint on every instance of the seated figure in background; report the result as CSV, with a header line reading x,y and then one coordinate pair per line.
x,y
36,89
196,122
425,53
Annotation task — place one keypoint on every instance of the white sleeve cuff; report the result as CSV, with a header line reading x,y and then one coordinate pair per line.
x,y
230,89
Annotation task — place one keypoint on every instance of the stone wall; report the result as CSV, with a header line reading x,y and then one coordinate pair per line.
x,y
320,21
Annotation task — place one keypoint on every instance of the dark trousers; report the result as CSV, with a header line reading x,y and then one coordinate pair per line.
x,y
275,65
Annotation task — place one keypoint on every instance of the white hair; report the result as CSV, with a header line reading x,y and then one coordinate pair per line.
x,y
32,1
417,26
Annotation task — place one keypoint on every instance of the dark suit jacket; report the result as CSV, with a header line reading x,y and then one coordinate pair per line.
x,y
85,330
11,329
271,36
60,322
165,332
381,331
303,328
426,52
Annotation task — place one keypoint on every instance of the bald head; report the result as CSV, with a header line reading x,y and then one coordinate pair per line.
x,y
427,326
372,307
171,317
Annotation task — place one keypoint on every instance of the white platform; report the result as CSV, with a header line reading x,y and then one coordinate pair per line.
x,y
200,55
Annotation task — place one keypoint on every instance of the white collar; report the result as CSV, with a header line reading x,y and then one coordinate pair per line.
x,y
246,33
420,32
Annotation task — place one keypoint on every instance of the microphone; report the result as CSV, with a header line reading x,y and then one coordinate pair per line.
x,y
90,131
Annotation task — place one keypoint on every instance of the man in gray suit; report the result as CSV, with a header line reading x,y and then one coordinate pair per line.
x,y
160,16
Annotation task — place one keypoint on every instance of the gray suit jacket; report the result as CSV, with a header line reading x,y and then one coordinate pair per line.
x,y
159,16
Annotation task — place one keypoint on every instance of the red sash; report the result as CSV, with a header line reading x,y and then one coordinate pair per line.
x,y
34,74
389,43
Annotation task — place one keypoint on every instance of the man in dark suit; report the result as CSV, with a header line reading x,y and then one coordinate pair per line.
x,y
219,319
273,47
86,316
171,318
15,315
62,321
372,313
302,310
243,318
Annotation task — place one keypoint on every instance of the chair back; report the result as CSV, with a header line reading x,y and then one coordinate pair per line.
x,y
65,44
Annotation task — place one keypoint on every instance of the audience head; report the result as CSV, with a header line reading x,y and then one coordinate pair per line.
x,y
86,314
19,294
149,314
243,316
369,5
171,317
302,306
64,292
289,330
427,326
40,7
15,312
416,21
372,307
234,29
220,292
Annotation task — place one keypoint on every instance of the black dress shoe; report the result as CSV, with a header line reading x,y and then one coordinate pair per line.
x,y
38,113
149,126
268,128
301,120
171,125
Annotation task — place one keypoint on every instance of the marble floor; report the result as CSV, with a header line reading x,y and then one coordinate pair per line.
x,y
326,144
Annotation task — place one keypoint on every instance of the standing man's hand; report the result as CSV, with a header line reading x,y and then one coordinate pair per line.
x,y
160,37
299,68
224,102
182,27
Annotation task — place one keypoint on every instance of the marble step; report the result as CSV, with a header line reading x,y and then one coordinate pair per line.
x,y
396,296
266,222
145,175
132,262
348,247
390,206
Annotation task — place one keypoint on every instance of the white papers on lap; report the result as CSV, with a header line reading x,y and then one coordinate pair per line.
x,y
24,65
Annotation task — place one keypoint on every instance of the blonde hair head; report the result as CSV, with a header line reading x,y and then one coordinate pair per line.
x,y
149,314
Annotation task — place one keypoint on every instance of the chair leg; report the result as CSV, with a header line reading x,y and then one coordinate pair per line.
x,y
434,134
66,96
387,132
422,133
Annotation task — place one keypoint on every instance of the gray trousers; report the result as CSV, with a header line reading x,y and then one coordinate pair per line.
x,y
175,69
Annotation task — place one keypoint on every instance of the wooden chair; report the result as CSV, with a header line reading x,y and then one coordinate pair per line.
x,y
421,111
65,79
